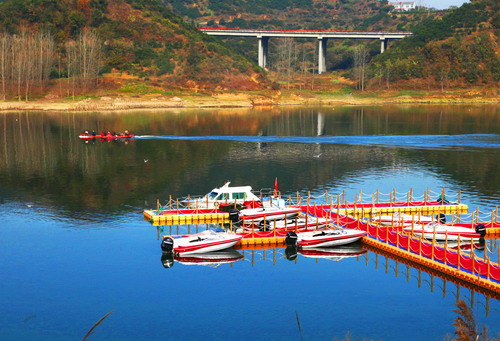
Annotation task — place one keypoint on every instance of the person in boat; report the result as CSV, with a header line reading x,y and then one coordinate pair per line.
x,y
93,133
86,132
113,133
126,133
109,134
103,134
442,199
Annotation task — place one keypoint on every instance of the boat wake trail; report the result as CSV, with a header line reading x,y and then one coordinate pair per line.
x,y
445,142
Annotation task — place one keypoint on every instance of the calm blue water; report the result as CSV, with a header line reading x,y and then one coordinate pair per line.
x,y
74,244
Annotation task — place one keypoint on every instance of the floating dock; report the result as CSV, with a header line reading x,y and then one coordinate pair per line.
x,y
207,216
466,267
185,217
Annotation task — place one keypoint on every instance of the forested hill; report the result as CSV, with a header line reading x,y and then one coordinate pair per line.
x,y
296,14
140,37
460,48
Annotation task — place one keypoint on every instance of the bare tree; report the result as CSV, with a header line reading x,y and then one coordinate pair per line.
x,y
360,59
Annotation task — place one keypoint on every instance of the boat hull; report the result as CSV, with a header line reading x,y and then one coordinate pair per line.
x,y
259,214
307,240
191,245
443,232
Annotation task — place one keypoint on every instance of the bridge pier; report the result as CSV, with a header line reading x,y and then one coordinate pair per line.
x,y
322,54
383,44
263,51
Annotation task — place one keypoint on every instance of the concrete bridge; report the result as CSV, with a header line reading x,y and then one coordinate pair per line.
x,y
263,36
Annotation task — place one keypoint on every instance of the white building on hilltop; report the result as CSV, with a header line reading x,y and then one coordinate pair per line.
x,y
403,5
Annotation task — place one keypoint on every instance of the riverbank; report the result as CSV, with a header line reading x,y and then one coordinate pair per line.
x,y
120,101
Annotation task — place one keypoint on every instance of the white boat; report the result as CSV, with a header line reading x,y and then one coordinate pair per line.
x,y
334,253
298,223
402,219
225,195
443,232
211,259
206,241
324,238
268,212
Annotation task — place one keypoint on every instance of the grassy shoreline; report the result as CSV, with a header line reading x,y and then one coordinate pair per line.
x,y
120,101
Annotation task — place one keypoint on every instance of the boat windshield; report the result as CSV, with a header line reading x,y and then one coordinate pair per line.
x,y
212,195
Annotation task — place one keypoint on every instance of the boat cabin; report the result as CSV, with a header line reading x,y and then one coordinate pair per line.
x,y
226,194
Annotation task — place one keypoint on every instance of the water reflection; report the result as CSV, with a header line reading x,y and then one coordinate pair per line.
x,y
211,259
42,157
422,277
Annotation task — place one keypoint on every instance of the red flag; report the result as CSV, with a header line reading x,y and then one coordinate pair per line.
x,y
276,190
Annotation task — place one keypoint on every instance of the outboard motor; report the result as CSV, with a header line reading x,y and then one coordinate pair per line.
x,y
441,218
291,238
167,259
481,229
167,245
291,252
234,216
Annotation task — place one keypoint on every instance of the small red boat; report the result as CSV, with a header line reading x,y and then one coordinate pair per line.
x,y
107,137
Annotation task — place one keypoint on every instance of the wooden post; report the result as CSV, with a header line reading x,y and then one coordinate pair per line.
x,y
361,196
445,248
409,242
390,198
308,197
170,201
459,253
459,196
477,214
433,242
472,253
378,195
386,235
343,196
157,204
297,202
488,269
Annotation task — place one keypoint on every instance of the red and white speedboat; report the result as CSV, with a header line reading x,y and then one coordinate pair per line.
x,y
402,219
257,215
443,232
299,224
324,238
206,241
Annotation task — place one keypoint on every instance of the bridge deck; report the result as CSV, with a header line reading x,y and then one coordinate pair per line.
x,y
241,32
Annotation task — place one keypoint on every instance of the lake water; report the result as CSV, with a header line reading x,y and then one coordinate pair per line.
x,y
75,246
